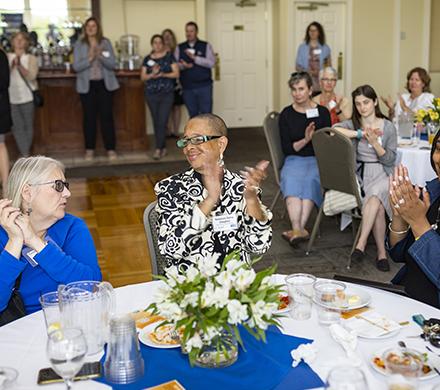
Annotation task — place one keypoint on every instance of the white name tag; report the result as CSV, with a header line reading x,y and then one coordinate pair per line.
x,y
312,113
224,222
151,63
317,51
331,104
191,51
106,54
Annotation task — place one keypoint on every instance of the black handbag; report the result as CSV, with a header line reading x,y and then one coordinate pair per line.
x,y
37,96
15,308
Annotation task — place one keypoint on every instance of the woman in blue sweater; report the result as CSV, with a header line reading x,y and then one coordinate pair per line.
x,y
38,240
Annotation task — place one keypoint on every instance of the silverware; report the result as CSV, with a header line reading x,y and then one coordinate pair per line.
x,y
432,358
174,335
431,350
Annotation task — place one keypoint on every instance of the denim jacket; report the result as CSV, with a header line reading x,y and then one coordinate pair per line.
x,y
425,251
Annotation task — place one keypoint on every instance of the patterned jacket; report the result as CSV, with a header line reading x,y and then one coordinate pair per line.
x,y
186,234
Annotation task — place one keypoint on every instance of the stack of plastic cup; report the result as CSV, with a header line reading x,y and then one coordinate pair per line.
x,y
123,363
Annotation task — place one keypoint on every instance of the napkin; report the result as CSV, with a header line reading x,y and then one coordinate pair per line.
x,y
305,352
371,324
348,341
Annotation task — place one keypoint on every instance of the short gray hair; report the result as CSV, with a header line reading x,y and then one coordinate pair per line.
x,y
29,170
214,123
328,69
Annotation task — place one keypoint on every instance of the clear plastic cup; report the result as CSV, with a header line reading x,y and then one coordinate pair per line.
x,y
330,299
346,377
51,309
300,288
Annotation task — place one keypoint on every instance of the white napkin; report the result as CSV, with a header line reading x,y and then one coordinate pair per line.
x,y
348,341
306,352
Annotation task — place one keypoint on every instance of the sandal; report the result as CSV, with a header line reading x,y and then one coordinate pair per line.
x,y
293,237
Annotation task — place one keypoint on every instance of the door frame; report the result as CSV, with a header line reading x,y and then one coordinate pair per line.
x,y
348,60
269,51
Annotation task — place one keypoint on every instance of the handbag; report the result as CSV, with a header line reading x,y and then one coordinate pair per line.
x,y
36,95
15,308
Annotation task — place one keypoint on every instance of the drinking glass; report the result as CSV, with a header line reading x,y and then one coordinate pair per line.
x,y
66,350
330,298
404,367
51,309
346,378
300,287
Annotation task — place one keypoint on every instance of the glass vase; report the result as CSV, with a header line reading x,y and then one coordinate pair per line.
x,y
432,129
222,351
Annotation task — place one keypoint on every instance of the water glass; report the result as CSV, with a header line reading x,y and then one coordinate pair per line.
x,y
66,350
330,298
300,288
123,362
404,367
51,309
346,378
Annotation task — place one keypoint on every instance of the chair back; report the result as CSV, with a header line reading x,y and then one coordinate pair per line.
x,y
158,261
273,139
335,155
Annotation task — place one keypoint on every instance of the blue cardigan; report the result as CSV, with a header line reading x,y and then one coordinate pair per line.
x,y
70,257
425,251
302,55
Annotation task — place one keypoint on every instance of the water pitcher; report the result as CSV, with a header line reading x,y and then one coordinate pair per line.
x,y
88,305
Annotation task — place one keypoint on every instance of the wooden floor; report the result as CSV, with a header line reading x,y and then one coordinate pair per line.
x,y
113,210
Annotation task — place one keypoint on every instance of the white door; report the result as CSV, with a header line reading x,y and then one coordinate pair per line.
x,y
332,16
238,35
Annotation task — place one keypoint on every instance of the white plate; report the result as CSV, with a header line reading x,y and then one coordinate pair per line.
x,y
286,309
144,338
364,298
429,375
385,336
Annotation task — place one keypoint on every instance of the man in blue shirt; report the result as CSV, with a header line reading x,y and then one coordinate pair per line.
x,y
196,58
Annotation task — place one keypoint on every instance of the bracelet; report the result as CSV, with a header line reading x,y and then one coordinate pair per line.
x,y
338,112
396,232
359,134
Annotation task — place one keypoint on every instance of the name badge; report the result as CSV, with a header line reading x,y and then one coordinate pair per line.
x,y
191,51
331,104
29,254
224,222
317,51
151,63
106,54
312,113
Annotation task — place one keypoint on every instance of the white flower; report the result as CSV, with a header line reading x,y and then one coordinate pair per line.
x,y
244,278
207,294
225,279
268,281
173,276
217,297
237,312
162,293
191,273
233,264
210,333
208,266
170,310
306,352
194,342
259,310
190,299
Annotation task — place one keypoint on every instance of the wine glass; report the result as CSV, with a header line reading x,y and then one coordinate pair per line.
x,y
346,377
66,349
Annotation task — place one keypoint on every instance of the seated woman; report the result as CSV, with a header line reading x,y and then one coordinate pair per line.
x,y
419,96
376,144
39,242
338,106
300,183
208,210
414,232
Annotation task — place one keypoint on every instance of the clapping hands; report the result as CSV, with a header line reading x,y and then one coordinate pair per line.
x,y
309,131
253,177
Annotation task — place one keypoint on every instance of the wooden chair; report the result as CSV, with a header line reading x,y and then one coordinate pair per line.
x,y
337,170
158,261
273,139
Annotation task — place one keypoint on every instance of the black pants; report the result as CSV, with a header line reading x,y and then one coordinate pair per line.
x,y
160,107
98,101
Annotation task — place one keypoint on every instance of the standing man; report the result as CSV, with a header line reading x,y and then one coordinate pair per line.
x,y
196,58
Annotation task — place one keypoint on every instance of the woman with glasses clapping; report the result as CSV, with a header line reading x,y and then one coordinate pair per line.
x,y
41,245
207,210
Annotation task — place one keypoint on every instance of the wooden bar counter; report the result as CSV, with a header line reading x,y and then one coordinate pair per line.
x,y
58,124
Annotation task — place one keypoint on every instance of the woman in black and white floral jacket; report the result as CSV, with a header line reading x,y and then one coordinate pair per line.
x,y
208,210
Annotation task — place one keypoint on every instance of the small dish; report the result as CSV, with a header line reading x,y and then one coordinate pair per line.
x,y
152,333
284,305
8,375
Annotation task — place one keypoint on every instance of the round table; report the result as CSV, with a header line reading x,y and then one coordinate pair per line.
x,y
417,159
23,342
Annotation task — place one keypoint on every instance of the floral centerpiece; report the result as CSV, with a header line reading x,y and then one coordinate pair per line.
x,y
207,303
429,115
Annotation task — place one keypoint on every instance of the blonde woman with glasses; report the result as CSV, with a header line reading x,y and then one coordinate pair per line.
x,y
41,245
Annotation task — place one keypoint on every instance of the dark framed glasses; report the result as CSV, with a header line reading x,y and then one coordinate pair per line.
x,y
196,140
58,185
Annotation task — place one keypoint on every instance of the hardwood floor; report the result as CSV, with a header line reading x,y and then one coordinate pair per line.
x,y
113,210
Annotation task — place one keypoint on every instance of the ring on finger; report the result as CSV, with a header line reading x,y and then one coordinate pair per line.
x,y
401,201
396,206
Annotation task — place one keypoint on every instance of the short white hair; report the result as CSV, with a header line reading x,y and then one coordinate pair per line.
x,y
29,170
328,69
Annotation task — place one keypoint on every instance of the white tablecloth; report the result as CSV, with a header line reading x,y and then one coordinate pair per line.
x,y
22,343
417,161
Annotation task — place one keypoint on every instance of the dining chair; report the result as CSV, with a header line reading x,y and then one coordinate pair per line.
x,y
158,261
335,156
273,139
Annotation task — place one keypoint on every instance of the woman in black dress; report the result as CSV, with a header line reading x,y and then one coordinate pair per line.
x,y
5,116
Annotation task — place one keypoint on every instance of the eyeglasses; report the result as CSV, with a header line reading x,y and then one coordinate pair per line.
x,y
331,80
196,140
58,185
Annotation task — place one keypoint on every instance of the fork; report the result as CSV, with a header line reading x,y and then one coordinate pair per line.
x,y
174,335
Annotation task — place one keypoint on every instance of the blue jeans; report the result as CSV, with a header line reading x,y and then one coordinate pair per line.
x,y
198,100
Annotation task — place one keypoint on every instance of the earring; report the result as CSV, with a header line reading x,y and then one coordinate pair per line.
x,y
28,211
220,161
